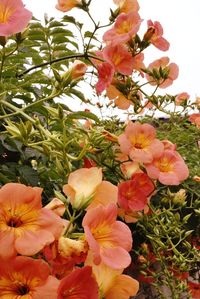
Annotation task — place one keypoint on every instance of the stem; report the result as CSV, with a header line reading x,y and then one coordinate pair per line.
x,y
2,62
78,55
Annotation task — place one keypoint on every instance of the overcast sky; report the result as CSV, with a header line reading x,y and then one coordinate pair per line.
x,y
181,23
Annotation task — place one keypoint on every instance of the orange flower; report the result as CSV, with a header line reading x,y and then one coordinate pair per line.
x,y
66,5
26,278
169,168
13,17
81,187
127,5
109,240
140,143
80,284
119,99
25,227
195,118
112,283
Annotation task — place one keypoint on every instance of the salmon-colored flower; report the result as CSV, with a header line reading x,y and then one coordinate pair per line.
x,y
119,99
80,284
66,5
125,28
56,206
109,240
127,6
140,143
132,216
106,193
13,17
24,277
25,227
171,71
81,187
195,118
156,36
78,69
169,168
181,98
120,58
112,283
168,145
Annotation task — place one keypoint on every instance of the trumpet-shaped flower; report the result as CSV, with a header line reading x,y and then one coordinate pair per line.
x,y
156,36
132,194
106,193
119,99
127,6
13,17
120,58
26,278
82,184
112,283
182,98
25,227
169,168
171,70
195,118
125,28
80,284
140,143
109,240
66,5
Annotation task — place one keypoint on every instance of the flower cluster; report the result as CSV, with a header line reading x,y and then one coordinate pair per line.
x,y
93,208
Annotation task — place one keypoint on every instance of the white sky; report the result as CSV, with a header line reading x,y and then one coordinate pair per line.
x,y
180,20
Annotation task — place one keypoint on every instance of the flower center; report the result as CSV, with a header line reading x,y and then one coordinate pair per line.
x,y
23,289
5,13
164,165
14,222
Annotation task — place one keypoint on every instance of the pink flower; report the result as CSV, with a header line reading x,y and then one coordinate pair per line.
x,y
171,70
25,277
181,98
66,5
119,57
169,168
105,76
156,35
109,240
125,28
168,145
13,17
25,227
195,118
140,143
127,6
